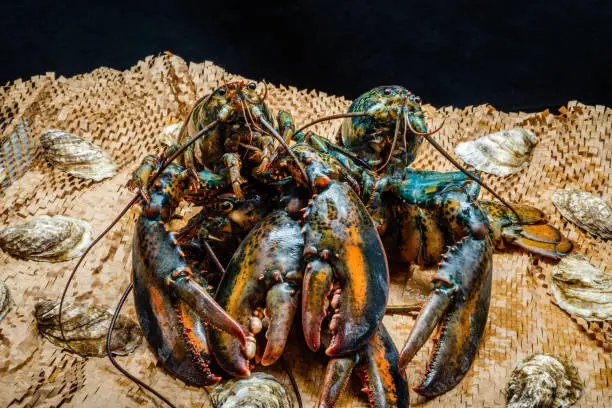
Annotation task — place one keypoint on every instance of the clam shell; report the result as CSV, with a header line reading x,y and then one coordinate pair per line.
x,y
501,153
6,303
85,328
585,210
170,134
543,381
260,390
76,156
581,289
48,239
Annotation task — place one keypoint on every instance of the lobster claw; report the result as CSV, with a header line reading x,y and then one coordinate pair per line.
x,y
347,266
376,364
260,288
531,233
460,301
171,303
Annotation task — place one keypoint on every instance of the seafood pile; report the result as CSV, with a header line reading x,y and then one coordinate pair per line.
x,y
297,231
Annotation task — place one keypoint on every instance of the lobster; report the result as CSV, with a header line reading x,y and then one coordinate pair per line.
x,y
336,257
242,131
173,303
433,218
169,295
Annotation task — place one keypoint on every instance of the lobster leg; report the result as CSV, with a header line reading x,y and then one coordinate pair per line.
x,y
171,305
150,164
266,145
261,284
376,364
140,178
286,125
234,165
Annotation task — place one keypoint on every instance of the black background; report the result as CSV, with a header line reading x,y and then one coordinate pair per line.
x,y
525,55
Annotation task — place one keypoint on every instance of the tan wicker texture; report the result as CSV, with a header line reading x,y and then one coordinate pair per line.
x,y
123,112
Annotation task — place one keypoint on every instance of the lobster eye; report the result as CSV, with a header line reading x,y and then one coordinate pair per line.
x,y
252,86
417,99
387,91
221,91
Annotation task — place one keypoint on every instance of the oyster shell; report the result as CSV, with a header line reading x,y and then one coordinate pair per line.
x,y
48,239
76,156
585,210
260,390
85,328
6,303
543,381
501,153
581,289
170,134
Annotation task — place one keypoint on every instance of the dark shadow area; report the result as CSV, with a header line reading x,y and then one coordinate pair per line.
x,y
525,55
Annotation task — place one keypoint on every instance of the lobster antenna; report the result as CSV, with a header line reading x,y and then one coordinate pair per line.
x,y
330,117
296,390
262,97
165,164
348,153
351,155
74,270
280,140
404,134
395,136
427,136
109,336
265,94
444,153
246,120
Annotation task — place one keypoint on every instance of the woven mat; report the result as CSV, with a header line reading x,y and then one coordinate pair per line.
x,y
123,112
